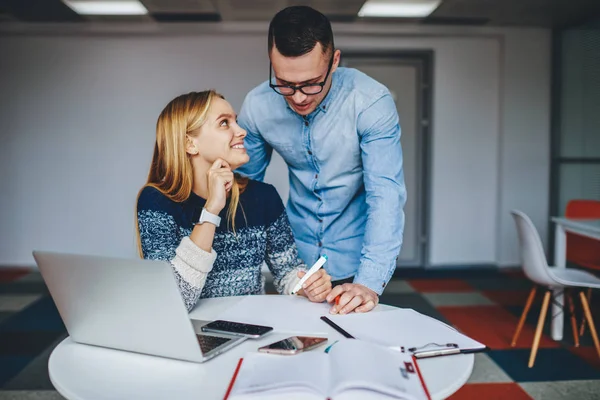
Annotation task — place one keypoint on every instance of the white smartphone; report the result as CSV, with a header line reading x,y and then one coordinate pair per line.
x,y
293,345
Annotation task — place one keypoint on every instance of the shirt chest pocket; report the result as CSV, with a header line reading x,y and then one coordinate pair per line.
x,y
338,143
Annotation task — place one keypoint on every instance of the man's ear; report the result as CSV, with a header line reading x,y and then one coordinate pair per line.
x,y
336,60
190,146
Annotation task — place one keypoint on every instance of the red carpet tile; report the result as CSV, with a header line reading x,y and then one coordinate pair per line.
x,y
10,274
511,297
589,354
440,285
490,391
494,326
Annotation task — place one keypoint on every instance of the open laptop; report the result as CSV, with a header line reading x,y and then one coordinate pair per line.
x,y
126,304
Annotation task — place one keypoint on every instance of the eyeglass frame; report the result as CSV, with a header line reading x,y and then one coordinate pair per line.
x,y
300,87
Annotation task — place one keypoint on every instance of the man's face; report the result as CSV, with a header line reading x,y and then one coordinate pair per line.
x,y
310,68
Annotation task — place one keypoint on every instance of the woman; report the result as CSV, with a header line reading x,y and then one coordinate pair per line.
x,y
191,186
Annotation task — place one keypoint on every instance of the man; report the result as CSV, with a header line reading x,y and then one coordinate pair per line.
x,y
337,129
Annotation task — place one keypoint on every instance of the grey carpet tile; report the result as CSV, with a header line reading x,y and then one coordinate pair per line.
x,y
397,286
486,370
16,302
30,395
559,390
454,299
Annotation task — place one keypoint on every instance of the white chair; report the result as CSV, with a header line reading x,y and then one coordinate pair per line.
x,y
535,267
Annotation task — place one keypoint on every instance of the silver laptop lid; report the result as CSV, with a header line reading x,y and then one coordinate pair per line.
x,y
125,304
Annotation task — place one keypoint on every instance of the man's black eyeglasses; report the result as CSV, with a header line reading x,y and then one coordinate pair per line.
x,y
308,89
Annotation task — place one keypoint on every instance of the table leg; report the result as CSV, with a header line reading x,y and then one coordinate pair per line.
x,y
560,261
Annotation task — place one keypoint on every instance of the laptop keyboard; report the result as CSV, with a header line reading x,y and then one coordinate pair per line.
x,y
208,343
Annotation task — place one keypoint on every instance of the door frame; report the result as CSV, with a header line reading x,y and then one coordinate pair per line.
x,y
423,60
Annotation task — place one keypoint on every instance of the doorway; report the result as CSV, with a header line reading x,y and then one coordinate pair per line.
x,y
408,76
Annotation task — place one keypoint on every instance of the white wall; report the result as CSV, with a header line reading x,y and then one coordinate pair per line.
x,y
79,108
525,138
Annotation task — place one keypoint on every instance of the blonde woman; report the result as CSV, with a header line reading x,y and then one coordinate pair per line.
x,y
215,227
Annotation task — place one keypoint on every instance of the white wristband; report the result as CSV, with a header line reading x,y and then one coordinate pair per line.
x,y
207,216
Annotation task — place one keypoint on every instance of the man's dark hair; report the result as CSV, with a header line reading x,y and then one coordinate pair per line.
x,y
296,30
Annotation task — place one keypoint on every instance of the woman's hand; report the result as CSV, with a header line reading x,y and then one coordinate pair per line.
x,y
220,180
317,287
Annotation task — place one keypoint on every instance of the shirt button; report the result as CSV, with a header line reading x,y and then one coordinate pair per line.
x,y
316,176
320,244
320,221
310,153
306,123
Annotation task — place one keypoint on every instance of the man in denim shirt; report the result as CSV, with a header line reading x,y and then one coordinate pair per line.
x,y
337,129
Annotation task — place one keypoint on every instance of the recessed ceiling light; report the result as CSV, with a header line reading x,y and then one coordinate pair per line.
x,y
398,8
107,7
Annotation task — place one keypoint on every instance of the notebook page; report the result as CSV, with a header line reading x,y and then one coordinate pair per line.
x,y
268,372
403,327
361,365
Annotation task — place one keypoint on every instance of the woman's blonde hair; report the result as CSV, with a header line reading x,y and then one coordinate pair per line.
x,y
171,170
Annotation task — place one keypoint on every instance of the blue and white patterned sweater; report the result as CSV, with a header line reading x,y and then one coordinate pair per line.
x,y
233,268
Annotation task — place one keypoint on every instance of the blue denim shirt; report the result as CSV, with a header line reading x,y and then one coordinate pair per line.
x,y
347,189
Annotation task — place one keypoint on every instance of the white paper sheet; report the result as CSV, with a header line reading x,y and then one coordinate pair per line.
x,y
293,314
403,327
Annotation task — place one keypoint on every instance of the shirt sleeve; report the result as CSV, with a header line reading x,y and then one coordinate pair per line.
x,y
282,255
381,152
258,149
160,240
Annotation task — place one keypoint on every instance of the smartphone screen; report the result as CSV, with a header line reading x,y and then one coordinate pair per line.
x,y
236,328
293,345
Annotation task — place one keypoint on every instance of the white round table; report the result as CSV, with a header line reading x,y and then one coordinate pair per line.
x,y
80,371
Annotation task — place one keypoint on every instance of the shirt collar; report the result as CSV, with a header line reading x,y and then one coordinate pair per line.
x,y
333,90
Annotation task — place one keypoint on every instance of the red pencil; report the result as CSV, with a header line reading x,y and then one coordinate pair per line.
x,y
237,369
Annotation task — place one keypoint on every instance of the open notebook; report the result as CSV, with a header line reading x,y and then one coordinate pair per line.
x,y
352,369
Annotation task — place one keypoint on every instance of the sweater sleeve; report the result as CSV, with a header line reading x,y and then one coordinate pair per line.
x,y
160,240
282,254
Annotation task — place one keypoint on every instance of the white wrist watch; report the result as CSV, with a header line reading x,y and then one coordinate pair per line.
x,y
207,216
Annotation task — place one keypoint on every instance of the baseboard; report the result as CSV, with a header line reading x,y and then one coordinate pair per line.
x,y
463,266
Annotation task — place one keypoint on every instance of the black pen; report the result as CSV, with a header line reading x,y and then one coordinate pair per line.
x,y
337,327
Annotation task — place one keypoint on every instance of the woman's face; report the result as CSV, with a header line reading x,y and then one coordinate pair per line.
x,y
220,136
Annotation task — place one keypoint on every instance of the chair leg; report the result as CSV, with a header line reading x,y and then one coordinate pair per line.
x,y
523,316
589,298
573,320
588,316
540,327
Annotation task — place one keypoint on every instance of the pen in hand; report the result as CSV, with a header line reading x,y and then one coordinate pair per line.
x,y
316,266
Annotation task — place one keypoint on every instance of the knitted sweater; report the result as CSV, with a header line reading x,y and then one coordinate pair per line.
x,y
233,267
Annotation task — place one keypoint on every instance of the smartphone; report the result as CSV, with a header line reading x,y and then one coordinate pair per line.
x,y
237,329
293,345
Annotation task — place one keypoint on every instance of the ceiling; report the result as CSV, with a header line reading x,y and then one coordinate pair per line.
x,y
528,13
